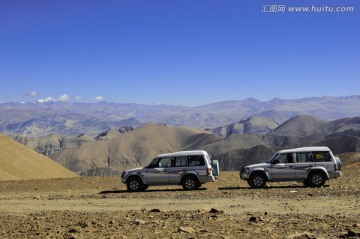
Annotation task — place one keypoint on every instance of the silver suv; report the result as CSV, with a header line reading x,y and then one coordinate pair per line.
x,y
311,165
187,168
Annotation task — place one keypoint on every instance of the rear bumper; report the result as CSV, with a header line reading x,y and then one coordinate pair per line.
x,y
336,174
205,179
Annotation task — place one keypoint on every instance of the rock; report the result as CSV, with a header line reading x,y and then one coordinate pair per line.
x,y
187,229
139,222
352,233
72,230
214,210
253,219
70,236
155,210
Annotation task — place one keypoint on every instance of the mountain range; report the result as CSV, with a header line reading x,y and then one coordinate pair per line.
x,y
116,149
73,119
105,138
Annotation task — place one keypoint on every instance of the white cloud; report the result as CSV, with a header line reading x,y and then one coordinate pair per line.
x,y
46,100
99,98
77,98
64,98
33,93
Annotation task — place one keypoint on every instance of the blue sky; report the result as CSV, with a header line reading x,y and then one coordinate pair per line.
x,y
176,52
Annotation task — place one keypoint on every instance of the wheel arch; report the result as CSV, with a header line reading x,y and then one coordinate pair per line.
x,y
318,170
260,171
189,174
136,176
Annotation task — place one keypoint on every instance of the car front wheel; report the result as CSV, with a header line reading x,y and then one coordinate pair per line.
x,y
134,184
257,180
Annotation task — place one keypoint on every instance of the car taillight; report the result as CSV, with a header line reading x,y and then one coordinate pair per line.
x,y
336,167
209,171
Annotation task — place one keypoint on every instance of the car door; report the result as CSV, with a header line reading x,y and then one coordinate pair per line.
x,y
177,169
282,168
304,161
157,173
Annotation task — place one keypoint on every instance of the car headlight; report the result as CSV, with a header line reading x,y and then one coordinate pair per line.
x,y
246,170
123,175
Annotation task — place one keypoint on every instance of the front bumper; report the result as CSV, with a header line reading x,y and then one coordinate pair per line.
x,y
123,177
244,176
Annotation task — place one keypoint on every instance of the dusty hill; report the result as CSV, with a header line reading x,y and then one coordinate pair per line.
x,y
238,158
300,125
342,125
252,125
133,149
116,149
52,143
19,162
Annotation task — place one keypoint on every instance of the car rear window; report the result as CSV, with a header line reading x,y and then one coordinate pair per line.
x,y
322,156
197,160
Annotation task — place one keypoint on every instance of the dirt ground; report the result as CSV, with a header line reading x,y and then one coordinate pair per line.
x,y
100,207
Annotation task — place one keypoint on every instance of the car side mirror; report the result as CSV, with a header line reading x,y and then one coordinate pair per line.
x,y
151,166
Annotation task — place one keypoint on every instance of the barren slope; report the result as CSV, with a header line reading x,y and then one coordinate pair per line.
x,y
133,149
20,162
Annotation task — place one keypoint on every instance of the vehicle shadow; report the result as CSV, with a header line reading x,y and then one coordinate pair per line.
x,y
148,191
233,188
269,187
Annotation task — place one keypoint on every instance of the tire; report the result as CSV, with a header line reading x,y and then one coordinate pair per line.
x,y
134,184
316,179
144,187
190,183
257,180
306,183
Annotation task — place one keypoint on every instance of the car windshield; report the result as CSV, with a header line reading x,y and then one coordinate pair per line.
x,y
153,163
274,156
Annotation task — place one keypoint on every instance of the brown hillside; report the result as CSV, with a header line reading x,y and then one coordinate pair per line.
x,y
300,125
19,162
133,149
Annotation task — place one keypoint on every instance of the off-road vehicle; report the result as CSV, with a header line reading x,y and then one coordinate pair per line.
x,y
187,168
311,165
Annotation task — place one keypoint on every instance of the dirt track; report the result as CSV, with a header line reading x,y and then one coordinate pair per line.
x,y
99,207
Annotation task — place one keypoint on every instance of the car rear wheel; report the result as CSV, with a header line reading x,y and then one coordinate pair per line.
x,y
316,180
190,183
257,180
134,184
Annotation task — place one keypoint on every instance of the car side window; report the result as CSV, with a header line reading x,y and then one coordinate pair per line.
x,y
304,157
284,158
179,161
197,160
162,163
322,156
